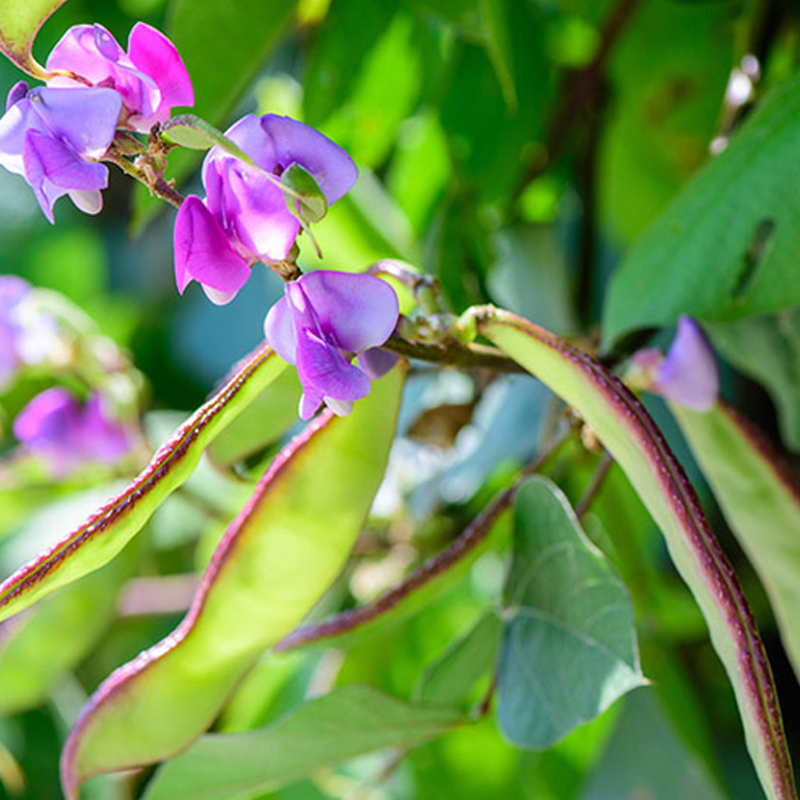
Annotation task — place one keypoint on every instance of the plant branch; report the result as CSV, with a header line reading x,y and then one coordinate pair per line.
x,y
454,353
584,504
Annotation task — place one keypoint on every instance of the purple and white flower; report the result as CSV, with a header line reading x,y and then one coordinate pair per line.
x,y
150,77
53,138
687,375
67,435
244,217
324,319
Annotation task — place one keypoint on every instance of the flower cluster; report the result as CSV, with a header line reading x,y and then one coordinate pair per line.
x,y
244,217
53,136
687,375
67,434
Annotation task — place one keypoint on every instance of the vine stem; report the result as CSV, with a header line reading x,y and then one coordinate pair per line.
x,y
454,353
585,503
157,186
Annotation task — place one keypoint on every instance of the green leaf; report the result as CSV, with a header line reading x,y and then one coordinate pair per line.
x,y
569,645
30,664
726,248
304,197
767,349
495,16
349,722
94,543
449,680
20,21
273,564
646,758
224,46
761,504
631,437
190,131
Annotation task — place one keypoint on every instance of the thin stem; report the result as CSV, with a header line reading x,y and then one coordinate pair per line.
x,y
473,535
594,486
157,186
454,353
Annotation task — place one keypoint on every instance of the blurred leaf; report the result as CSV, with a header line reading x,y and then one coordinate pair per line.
x,y
498,45
449,680
273,564
305,193
767,349
668,74
348,33
224,46
39,647
761,504
263,422
631,437
726,248
350,721
569,645
646,759
465,15
20,21
92,544
383,94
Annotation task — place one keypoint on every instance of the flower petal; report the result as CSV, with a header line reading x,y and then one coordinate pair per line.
x,y
295,142
359,311
84,118
104,439
310,401
321,366
19,91
15,123
155,55
252,138
87,50
376,362
689,374
263,225
60,164
280,332
203,252
88,201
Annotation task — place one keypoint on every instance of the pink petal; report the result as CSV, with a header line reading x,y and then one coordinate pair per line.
x,y
203,252
253,139
359,311
156,56
77,51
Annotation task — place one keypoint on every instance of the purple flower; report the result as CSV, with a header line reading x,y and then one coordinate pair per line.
x,y
67,435
151,77
244,217
52,137
688,375
323,320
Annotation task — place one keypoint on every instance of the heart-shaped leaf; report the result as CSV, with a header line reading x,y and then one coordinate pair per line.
x,y
569,645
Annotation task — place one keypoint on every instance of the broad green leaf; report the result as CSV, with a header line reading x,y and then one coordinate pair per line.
x,y
20,21
761,505
569,645
304,197
190,131
496,21
726,248
631,437
273,564
263,422
94,543
646,758
767,348
449,680
349,722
